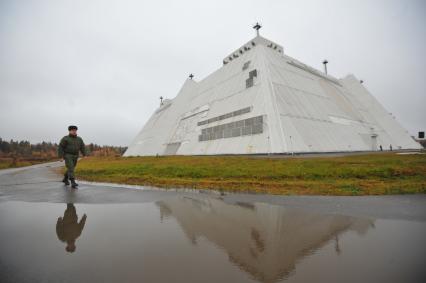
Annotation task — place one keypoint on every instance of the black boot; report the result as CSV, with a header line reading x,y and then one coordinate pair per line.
x,y
65,179
73,183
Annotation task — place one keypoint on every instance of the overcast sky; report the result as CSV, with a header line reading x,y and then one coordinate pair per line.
x,y
102,65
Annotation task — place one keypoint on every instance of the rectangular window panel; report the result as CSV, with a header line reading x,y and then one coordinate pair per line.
x,y
249,82
253,74
248,122
227,133
246,65
236,132
246,131
246,127
239,124
225,116
257,129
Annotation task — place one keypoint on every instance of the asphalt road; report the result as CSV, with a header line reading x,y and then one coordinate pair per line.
x,y
42,183
118,233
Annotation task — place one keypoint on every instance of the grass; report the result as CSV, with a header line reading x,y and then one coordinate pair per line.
x,y
373,174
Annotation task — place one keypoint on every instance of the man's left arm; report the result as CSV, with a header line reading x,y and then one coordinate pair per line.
x,y
82,222
83,147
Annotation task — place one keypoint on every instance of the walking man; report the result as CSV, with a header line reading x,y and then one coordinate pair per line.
x,y
68,228
68,149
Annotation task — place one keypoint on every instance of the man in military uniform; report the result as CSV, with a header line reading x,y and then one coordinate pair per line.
x,y
68,149
68,229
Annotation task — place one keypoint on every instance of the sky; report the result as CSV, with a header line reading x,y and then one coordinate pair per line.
x,y
103,65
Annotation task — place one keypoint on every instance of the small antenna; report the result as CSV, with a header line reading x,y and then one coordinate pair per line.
x,y
191,76
161,100
257,27
325,62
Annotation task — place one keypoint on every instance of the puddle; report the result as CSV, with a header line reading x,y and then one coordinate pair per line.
x,y
203,239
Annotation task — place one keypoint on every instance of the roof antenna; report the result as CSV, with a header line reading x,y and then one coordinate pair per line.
x,y
257,27
191,76
161,100
325,62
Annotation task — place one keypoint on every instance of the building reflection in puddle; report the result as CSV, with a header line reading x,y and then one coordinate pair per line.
x,y
68,229
262,239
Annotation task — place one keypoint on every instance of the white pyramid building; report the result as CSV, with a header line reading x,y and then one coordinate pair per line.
x,y
262,101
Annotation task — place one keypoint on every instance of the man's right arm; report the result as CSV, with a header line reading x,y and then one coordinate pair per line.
x,y
61,147
60,229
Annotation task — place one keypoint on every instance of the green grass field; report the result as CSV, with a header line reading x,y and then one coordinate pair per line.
x,y
374,174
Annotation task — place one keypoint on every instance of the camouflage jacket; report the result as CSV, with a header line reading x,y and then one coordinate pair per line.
x,y
71,145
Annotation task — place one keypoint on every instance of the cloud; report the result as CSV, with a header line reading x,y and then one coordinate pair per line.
x,y
104,64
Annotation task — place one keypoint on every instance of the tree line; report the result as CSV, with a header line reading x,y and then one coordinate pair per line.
x,y
48,151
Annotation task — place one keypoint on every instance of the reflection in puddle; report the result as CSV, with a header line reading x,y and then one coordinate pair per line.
x,y
68,229
196,238
264,240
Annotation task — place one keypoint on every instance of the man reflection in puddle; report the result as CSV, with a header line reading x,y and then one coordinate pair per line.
x,y
68,228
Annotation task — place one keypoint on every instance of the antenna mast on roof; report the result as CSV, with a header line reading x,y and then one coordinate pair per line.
x,y
257,27
325,62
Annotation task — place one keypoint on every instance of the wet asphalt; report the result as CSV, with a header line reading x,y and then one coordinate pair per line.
x,y
102,232
42,183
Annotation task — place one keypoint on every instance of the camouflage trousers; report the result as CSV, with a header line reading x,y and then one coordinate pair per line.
x,y
70,163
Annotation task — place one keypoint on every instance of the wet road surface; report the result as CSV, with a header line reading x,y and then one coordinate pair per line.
x,y
100,233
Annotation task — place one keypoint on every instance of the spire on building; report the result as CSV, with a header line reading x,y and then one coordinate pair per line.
x,y
257,27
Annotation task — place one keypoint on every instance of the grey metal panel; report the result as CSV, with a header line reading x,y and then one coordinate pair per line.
x,y
247,131
172,148
227,133
236,132
253,73
257,129
249,82
246,65
225,116
244,127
